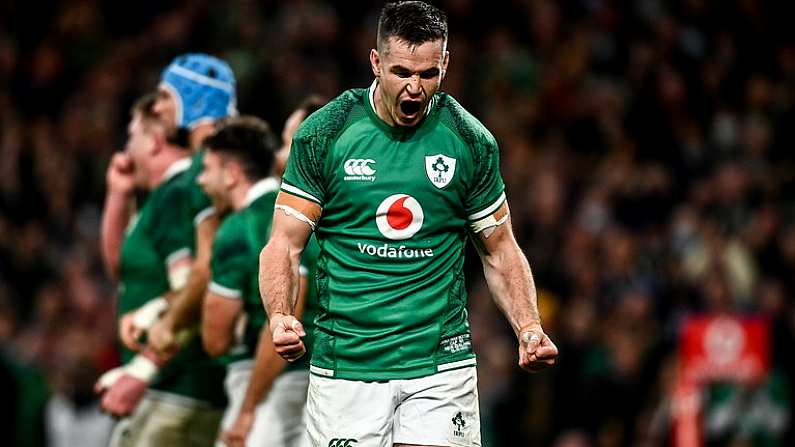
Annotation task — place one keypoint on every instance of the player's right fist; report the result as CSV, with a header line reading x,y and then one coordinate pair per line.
x,y
287,332
121,174
135,323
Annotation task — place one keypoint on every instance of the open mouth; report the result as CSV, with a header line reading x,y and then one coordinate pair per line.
x,y
410,108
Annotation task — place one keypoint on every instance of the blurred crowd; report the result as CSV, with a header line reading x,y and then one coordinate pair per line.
x,y
645,147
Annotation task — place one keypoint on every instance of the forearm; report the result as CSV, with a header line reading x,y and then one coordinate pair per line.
x,y
267,366
116,216
186,304
278,277
510,281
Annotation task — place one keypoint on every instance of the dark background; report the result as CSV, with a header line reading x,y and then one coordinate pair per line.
x,y
646,146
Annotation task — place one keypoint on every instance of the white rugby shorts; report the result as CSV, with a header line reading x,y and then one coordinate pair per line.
x,y
438,410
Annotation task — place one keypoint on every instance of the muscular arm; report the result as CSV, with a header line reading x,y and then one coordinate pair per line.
x,y
218,325
511,284
279,271
267,363
118,210
186,304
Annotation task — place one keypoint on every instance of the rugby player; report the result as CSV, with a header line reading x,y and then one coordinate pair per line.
x,y
266,401
393,180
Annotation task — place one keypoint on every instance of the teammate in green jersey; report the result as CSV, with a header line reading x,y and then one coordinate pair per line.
x,y
195,91
156,248
266,402
393,180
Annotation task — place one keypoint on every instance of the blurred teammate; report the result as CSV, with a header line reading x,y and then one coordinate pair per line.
x,y
393,180
266,402
195,91
183,404
307,107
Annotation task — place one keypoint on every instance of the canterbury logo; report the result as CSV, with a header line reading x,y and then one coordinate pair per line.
x,y
359,166
342,442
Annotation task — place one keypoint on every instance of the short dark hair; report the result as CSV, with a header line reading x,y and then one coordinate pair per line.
x,y
145,107
311,104
249,140
415,22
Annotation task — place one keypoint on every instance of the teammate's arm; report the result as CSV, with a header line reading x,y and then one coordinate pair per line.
x,y
511,284
117,211
267,366
185,306
293,222
218,324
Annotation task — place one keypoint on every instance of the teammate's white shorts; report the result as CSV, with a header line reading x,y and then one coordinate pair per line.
x,y
437,410
280,419
162,419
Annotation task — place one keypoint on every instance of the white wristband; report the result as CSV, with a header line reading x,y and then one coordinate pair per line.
x,y
148,314
142,368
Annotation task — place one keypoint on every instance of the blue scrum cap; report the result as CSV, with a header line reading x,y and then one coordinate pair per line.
x,y
203,88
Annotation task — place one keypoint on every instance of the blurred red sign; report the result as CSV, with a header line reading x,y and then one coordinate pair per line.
x,y
725,348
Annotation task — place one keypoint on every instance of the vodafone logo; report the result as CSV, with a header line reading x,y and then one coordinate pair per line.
x,y
399,217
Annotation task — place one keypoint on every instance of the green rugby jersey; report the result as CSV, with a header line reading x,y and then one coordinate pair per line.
x,y
198,201
235,268
396,207
163,230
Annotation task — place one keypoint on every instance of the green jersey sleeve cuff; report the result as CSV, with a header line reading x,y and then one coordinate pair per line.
x,y
296,191
490,209
178,255
203,214
226,292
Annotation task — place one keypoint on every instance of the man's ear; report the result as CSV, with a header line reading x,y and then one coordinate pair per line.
x,y
158,143
375,62
232,172
445,61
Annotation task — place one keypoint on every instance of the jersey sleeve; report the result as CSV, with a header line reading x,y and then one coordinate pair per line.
x,y
303,176
487,192
229,264
198,200
172,228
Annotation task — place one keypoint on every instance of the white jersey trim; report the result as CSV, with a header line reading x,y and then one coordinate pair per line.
x,y
321,371
226,292
458,364
439,368
203,214
177,255
299,192
490,209
262,187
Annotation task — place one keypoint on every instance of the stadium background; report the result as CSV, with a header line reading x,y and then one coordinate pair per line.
x,y
645,144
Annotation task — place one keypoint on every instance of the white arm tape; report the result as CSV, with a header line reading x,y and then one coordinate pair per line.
x,y
110,377
487,222
297,214
178,276
141,368
148,314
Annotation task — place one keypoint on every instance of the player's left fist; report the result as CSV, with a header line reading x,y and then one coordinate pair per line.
x,y
536,349
123,388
